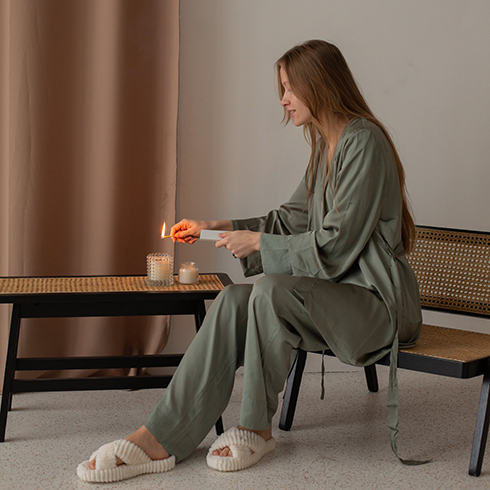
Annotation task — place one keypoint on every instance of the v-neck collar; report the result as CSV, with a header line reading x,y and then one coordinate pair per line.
x,y
342,136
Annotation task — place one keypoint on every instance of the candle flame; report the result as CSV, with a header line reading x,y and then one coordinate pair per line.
x,y
163,230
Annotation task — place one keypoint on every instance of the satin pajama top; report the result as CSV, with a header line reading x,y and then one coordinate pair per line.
x,y
348,231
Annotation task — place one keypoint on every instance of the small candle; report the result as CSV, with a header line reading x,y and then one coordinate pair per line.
x,y
160,267
188,273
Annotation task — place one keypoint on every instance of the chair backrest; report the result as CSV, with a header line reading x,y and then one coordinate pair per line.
x,y
453,269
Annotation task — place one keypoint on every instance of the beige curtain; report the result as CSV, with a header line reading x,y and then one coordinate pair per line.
x,y
88,124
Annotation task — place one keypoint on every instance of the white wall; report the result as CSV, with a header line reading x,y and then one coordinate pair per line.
x,y
423,66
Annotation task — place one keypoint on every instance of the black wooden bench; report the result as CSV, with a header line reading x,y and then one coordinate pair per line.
x,y
87,296
453,271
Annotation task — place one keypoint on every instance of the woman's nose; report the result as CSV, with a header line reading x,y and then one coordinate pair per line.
x,y
284,101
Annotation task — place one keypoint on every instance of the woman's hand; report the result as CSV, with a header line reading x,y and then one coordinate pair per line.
x,y
240,243
187,230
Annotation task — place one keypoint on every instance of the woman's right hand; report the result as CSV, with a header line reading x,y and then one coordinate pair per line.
x,y
187,230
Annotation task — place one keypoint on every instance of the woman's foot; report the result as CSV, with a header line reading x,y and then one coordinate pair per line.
x,y
146,441
266,434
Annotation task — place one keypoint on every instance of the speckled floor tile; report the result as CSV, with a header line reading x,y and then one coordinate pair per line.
x,y
340,442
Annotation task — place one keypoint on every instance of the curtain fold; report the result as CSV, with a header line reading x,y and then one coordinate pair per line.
x,y
88,141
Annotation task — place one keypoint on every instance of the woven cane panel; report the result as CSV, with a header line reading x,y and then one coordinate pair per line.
x,y
37,285
449,343
453,269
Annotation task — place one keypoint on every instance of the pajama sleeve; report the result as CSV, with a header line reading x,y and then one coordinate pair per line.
x,y
290,218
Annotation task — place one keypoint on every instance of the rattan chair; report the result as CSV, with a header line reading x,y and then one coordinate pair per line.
x,y
453,271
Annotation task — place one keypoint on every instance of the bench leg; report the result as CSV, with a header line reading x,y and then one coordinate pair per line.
x,y
219,426
9,369
481,429
292,390
199,318
371,378
200,314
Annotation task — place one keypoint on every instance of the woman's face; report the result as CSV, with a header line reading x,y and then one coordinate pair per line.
x,y
300,114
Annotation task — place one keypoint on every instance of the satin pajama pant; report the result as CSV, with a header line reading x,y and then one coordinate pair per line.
x,y
254,326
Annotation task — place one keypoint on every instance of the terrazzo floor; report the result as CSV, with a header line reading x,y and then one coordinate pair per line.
x,y
340,442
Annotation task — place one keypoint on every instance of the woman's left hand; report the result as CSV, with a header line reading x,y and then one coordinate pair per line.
x,y
241,243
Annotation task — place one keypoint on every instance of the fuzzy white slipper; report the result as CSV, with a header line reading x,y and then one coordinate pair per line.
x,y
242,443
137,462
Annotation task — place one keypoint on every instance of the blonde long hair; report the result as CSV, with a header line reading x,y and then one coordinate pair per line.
x,y
318,75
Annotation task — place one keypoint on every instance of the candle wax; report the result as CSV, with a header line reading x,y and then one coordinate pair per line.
x,y
188,273
160,269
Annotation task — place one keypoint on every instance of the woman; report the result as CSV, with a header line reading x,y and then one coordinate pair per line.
x,y
336,277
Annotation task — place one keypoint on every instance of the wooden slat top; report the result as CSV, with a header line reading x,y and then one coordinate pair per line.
x,y
99,284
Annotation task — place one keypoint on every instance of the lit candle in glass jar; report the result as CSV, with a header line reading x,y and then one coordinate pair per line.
x,y
160,268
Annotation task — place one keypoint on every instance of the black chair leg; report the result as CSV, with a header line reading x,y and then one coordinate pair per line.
x,y
481,429
292,390
371,378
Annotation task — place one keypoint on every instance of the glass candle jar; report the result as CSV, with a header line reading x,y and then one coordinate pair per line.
x,y
160,268
188,273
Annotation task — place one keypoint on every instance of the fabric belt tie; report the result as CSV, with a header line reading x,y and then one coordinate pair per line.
x,y
392,399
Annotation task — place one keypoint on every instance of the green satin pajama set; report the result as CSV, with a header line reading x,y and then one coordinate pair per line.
x,y
336,277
